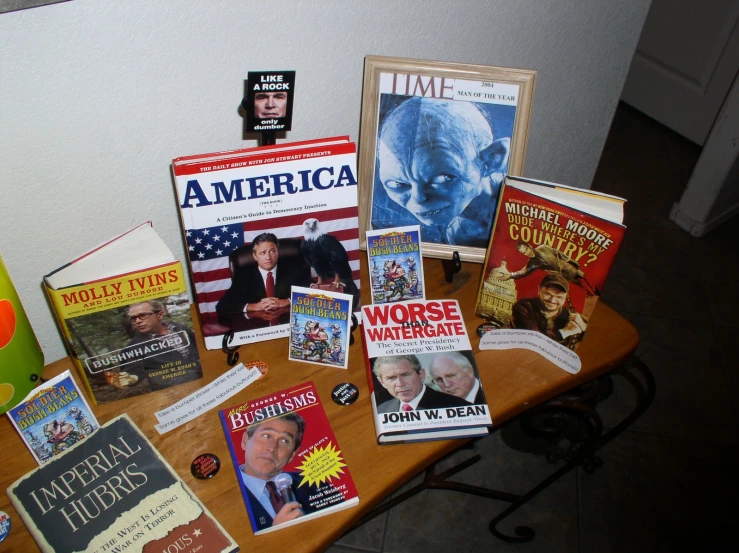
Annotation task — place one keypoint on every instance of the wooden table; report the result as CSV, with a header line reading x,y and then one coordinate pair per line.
x,y
514,381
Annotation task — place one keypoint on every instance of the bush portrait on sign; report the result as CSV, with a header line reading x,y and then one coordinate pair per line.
x,y
441,142
269,101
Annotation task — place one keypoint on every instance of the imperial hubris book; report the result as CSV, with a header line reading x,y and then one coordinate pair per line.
x,y
112,492
550,252
422,374
289,466
260,220
124,313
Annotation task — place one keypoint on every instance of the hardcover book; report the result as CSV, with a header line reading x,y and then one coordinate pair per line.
x,y
261,220
113,491
549,255
395,264
125,316
320,327
288,463
53,417
422,374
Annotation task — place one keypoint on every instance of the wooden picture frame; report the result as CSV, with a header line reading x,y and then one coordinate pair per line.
x,y
447,182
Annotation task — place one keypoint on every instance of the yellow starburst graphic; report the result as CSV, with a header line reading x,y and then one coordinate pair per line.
x,y
321,464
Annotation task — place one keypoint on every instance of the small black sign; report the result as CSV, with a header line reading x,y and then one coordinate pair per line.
x,y
345,394
269,101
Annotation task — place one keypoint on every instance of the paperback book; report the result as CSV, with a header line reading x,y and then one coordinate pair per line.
x,y
125,316
288,463
53,417
549,255
395,264
113,491
422,374
261,220
320,327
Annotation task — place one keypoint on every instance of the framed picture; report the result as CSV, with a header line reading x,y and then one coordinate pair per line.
x,y
436,140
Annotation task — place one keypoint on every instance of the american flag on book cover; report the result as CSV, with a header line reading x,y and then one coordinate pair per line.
x,y
209,250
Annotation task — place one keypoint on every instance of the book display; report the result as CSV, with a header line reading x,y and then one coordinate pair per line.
x,y
114,490
550,252
272,236
125,315
288,463
247,214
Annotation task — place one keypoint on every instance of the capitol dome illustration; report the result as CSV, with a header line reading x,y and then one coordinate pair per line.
x,y
497,297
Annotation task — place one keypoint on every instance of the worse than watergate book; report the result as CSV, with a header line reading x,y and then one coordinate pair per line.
x,y
114,492
549,255
288,463
260,220
53,417
422,373
125,316
395,264
320,327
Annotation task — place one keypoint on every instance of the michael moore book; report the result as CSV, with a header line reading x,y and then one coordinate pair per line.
x,y
422,374
114,492
549,255
289,466
125,316
53,417
258,221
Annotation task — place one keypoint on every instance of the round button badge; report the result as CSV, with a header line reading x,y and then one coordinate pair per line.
x,y
205,466
345,394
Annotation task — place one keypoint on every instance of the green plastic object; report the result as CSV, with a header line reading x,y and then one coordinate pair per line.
x,y
21,358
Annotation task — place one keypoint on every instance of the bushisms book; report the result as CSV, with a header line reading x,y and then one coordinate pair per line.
x,y
549,255
261,220
112,492
288,463
422,373
125,315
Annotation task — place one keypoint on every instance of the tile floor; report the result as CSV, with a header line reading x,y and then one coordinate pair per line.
x,y
669,483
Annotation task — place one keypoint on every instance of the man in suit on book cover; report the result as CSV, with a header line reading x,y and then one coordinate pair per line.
x,y
269,446
262,289
454,375
403,376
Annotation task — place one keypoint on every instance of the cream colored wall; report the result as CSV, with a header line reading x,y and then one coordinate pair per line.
x,y
98,96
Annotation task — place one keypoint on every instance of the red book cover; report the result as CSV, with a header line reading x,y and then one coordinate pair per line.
x,y
549,255
288,463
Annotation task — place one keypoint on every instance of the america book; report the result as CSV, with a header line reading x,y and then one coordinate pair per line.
x,y
289,466
53,417
124,313
289,211
550,252
320,327
422,375
395,264
113,491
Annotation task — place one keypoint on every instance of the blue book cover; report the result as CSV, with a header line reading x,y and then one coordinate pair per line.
x,y
320,326
53,417
395,264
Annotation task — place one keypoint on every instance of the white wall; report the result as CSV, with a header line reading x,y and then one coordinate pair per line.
x,y
98,96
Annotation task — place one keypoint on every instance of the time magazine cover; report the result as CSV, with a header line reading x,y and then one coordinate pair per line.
x,y
550,253
288,463
422,373
261,220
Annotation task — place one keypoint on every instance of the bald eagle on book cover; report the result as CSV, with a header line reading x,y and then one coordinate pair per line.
x,y
328,258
